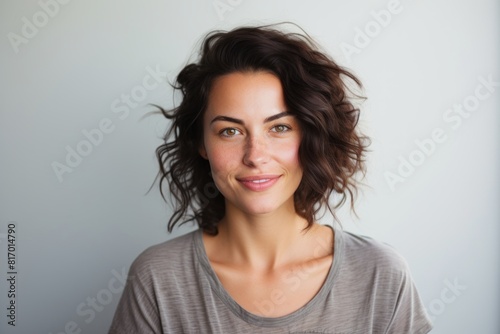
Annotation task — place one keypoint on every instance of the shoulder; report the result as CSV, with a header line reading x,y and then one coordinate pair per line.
x,y
367,254
152,286
377,278
169,255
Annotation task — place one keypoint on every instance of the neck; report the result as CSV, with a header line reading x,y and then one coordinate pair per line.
x,y
262,242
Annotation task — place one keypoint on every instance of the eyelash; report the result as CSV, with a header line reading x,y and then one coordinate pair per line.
x,y
224,131
286,128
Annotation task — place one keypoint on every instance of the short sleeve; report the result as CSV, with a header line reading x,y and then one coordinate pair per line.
x,y
409,314
137,310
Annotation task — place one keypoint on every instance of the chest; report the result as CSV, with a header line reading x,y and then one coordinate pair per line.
x,y
275,294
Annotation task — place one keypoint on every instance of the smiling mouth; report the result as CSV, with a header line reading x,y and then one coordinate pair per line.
x,y
259,183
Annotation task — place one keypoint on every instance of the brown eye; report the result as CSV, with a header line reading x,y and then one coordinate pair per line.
x,y
229,132
280,128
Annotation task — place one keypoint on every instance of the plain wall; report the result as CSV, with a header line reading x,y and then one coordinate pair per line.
x,y
68,69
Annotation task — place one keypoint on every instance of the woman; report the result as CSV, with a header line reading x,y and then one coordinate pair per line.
x,y
265,133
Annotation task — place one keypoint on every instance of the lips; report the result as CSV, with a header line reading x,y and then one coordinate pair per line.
x,y
259,182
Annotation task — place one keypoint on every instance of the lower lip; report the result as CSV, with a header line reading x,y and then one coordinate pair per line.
x,y
259,186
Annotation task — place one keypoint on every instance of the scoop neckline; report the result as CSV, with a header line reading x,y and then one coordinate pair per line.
x,y
253,319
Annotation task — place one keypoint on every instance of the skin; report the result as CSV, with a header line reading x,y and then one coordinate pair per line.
x,y
263,257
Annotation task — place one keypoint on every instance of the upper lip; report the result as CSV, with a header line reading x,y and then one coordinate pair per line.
x,y
257,177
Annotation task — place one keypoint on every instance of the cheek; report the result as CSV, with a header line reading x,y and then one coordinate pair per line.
x,y
222,162
222,168
289,154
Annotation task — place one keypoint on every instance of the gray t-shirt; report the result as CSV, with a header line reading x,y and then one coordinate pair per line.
x,y
172,288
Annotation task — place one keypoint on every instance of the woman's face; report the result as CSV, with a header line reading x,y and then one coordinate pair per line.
x,y
252,143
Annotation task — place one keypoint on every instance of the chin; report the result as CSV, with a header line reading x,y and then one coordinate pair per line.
x,y
257,208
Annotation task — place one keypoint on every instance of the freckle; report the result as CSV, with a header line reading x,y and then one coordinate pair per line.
x,y
232,164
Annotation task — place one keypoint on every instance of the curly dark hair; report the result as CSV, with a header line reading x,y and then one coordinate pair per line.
x,y
316,91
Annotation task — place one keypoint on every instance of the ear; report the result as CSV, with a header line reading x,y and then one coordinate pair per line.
x,y
203,152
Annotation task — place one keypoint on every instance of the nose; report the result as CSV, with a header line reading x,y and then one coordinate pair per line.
x,y
256,152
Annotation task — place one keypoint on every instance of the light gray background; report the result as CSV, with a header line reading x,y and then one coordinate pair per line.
x,y
75,236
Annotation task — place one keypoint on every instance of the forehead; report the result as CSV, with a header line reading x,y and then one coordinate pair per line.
x,y
246,93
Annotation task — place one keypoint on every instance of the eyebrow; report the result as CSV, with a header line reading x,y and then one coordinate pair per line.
x,y
239,121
